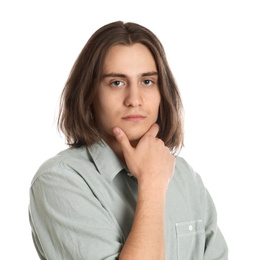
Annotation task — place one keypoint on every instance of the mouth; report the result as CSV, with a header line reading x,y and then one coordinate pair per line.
x,y
134,118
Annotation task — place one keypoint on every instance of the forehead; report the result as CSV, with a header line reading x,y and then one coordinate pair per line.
x,y
132,58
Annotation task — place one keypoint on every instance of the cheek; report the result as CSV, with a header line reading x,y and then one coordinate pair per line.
x,y
106,111
156,106
156,101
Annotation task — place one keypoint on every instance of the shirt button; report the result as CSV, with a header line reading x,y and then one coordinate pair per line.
x,y
190,227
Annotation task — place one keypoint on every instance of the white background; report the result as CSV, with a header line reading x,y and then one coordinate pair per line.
x,y
209,45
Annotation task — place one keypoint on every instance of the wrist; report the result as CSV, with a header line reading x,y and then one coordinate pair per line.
x,y
152,195
150,188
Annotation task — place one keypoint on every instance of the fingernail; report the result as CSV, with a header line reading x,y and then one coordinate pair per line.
x,y
116,131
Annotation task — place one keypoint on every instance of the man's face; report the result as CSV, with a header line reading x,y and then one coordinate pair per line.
x,y
128,95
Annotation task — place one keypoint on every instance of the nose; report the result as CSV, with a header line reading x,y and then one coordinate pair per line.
x,y
133,96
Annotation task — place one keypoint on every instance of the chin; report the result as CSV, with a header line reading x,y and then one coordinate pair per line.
x,y
135,132
134,137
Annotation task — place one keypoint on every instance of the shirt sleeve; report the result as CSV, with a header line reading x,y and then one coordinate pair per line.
x,y
215,244
69,222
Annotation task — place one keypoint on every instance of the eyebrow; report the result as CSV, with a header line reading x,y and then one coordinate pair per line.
x,y
120,75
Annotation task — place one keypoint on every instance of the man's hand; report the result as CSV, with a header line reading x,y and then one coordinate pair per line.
x,y
150,161
153,165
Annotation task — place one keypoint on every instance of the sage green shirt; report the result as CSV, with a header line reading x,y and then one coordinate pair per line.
x,y
82,205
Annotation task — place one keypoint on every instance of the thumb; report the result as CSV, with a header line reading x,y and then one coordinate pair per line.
x,y
122,139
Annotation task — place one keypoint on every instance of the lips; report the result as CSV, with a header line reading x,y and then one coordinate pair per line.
x,y
133,117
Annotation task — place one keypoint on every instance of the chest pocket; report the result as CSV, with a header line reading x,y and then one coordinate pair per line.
x,y
190,240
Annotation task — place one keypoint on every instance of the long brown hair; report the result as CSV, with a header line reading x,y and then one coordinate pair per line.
x,y
76,119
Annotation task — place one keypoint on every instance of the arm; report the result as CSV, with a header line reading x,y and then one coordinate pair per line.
x,y
153,166
68,221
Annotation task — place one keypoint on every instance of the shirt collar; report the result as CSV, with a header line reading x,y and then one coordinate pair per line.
x,y
106,161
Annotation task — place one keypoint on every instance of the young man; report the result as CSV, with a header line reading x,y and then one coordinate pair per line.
x,y
119,192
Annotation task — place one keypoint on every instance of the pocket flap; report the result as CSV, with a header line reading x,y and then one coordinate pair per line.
x,y
189,228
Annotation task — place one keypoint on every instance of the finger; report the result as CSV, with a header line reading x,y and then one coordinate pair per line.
x,y
122,139
153,130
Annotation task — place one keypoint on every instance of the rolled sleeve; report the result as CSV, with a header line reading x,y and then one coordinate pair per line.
x,y
69,222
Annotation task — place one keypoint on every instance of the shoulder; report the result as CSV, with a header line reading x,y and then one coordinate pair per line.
x,y
63,162
183,165
183,168
184,173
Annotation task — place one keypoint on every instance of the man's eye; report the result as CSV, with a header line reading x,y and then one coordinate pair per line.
x,y
117,83
147,82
